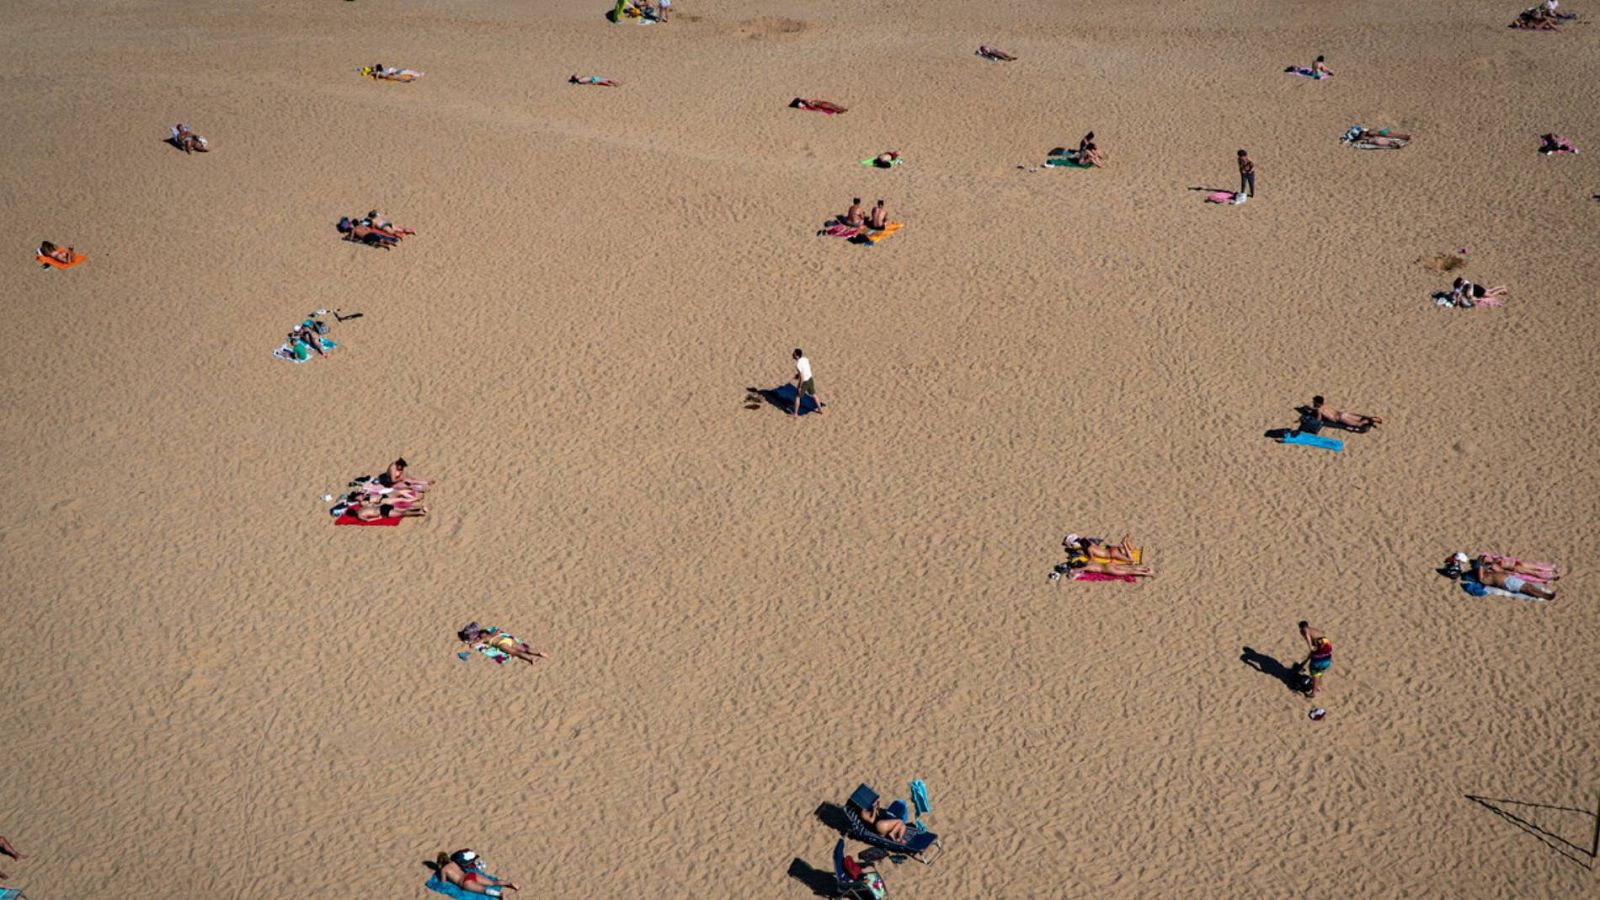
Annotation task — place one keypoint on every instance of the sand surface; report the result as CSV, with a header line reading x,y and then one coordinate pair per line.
x,y
209,691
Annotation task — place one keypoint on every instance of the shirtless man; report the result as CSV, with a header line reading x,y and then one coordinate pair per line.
x,y
853,216
1319,408
1495,575
879,218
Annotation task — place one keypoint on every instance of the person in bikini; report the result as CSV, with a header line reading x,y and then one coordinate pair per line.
x,y
1468,294
375,219
1320,410
1319,69
1088,153
593,79
505,643
186,140
817,105
58,254
463,869
1084,564
1098,551
884,824
368,508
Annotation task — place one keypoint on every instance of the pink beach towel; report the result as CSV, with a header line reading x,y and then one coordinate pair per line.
x,y
348,519
1101,576
1220,197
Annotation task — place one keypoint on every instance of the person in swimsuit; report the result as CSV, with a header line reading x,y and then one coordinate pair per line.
x,y
370,509
1319,69
1319,409
392,74
995,54
7,849
1097,550
186,140
878,219
375,219
56,253
884,824
853,216
1088,153
463,869
500,640
1468,294
1497,576
1555,143
887,160
1320,658
1084,564
1541,571
817,105
366,234
395,476
593,79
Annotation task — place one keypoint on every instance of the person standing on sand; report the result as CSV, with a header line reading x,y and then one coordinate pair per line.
x,y
804,384
1320,658
7,849
1247,174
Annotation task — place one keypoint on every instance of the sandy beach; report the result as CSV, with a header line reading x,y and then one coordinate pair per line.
x,y
211,691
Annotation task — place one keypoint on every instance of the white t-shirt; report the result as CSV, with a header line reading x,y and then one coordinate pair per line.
x,y
803,366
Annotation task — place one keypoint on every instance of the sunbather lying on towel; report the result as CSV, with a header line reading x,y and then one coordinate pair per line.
x,y
374,219
1099,568
1323,413
1537,19
186,140
53,252
389,73
593,79
1468,294
886,160
368,508
817,106
996,55
1098,550
1496,576
464,869
366,234
1551,144
473,634
1538,571
1382,137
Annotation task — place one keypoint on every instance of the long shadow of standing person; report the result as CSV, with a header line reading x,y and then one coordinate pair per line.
x,y
1291,676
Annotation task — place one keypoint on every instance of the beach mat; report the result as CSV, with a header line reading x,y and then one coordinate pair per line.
x,y
1303,72
58,264
1065,162
872,162
348,519
286,353
1307,439
782,397
873,237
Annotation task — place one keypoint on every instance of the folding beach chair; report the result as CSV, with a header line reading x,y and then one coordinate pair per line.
x,y
853,881
920,844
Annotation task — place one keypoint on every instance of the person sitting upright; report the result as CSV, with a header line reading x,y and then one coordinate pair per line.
x,y
1088,153
187,140
1550,144
853,216
884,824
1319,409
878,219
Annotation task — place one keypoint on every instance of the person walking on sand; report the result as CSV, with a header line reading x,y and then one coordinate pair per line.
x,y
805,385
1247,174
1320,658
7,849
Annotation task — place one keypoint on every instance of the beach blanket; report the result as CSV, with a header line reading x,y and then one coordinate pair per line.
x,y
348,519
1066,162
1101,576
868,236
54,263
1304,72
1307,439
1393,144
1228,197
872,161
286,352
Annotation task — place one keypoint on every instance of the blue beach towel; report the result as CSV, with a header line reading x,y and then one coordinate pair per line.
x,y
1314,440
286,353
440,886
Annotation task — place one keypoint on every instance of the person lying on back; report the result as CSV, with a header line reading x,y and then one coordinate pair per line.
x,y
56,253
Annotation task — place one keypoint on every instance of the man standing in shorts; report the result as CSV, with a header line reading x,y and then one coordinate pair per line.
x,y
1320,659
1247,174
805,385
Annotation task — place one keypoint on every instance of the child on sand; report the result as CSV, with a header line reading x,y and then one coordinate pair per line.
x,y
1320,658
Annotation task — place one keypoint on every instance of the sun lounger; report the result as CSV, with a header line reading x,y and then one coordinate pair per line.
x,y
852,881
920,844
